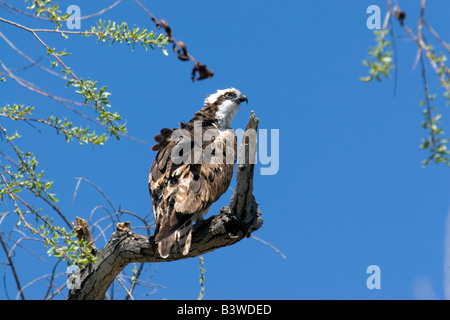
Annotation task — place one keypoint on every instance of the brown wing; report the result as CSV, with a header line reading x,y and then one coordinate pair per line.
x,y
181,190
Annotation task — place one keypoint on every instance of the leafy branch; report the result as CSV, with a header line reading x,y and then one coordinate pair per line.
x,y
114,32
22,182
49,10
87,88
61,242
202,278
62,126
381,64
12,183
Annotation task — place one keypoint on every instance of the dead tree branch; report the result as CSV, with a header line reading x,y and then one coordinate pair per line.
x,y
180,48
234,222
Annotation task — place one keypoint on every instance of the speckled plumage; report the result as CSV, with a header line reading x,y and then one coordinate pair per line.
x,y
192,169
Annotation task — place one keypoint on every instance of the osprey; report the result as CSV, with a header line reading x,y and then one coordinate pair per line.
x,y
192,169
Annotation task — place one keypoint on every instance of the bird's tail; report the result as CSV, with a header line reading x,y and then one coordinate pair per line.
x,y
183,236
165,246
179,241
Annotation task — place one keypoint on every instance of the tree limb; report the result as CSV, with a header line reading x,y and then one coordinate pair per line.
x,y
234,222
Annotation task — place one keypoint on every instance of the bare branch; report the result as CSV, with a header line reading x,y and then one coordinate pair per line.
x,y
52,278
180,48
33,62
270,246
13,269
232,224
99,190
424,47
64,102
17,243
436,35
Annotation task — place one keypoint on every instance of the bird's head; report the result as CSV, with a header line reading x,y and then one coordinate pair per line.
x,y
223,105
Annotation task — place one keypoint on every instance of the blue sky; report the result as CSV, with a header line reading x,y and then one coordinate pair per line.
x,y
350,191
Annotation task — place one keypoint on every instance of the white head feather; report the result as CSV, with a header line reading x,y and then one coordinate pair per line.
x,y
227,109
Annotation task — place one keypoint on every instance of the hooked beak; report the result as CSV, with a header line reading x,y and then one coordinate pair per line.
x,y
242,98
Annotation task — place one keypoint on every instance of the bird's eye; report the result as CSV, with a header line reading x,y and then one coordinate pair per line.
x,y
229,95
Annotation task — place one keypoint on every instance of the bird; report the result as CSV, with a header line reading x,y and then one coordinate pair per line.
x,y
193,167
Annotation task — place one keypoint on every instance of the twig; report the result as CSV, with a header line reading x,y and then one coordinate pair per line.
x,y
100,191
6,157
99,105
271,246
387,17
129,294
394,45
27,66
32,87
64,102
436,35
55,208
202,279
58,291
33,62
422,45
49,19
17,243
52,278
427,102
13,269
180,48
32,282
134,281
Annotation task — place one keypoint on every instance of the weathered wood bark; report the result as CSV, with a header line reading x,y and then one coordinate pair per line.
x,y
234,222
84,233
